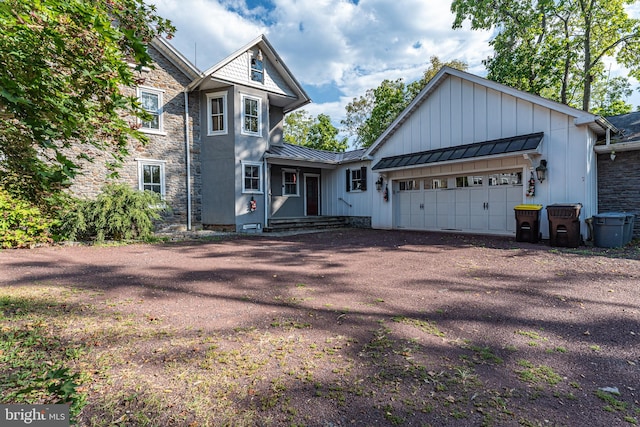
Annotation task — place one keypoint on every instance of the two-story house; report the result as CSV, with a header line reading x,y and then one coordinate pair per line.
x,y
459,158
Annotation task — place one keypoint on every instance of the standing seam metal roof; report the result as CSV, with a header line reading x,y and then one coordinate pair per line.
x,y
298,152
461,152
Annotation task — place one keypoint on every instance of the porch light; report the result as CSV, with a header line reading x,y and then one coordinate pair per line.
x,y
541,170
612,156
379,183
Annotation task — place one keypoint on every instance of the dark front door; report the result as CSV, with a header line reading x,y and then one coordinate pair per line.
x,y
312,195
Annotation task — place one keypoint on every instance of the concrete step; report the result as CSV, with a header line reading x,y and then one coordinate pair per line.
x,y
305,223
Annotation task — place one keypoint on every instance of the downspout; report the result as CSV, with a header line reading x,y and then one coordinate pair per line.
x,y
267,192
188,155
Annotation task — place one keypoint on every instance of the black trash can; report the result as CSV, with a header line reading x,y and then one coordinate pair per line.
x,y
564,225
527,223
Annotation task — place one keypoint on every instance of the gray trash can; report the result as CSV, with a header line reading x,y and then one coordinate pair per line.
x,y
609,229
628,228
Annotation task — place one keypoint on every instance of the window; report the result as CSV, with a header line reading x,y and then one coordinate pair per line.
x,y
151,175
357,179
217,113
514,178
409,185
257,67
151,101
290,182
251,116
468,181
252,177
435,183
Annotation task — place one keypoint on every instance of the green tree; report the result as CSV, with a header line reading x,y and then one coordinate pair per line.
x,y
300,128
554,48
323,135
296,127
63,64
369,115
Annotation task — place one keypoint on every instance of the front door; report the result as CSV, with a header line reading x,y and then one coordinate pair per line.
x,y
312,195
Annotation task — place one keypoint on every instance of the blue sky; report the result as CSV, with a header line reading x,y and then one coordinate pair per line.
x,y
337,49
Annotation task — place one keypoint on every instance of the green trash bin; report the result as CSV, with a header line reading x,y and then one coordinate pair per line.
x,y
527,223
564,224
609,229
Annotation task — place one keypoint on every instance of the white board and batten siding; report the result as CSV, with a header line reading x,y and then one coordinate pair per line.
x,y
337,201
459,111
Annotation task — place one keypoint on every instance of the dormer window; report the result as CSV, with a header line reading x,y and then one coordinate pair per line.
x,y
257,67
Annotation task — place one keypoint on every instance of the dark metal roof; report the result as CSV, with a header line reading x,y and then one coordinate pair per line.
x,y
629,124
297,152
461,152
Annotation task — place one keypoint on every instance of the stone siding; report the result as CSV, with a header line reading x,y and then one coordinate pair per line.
x,y
618,189
359,221
168,147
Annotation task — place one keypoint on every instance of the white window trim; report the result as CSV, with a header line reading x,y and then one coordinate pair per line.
x,y
160,93
225,107
260,175
297,193
152,162
242,116
251,56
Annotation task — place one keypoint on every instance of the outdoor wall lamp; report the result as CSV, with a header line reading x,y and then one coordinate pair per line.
x,y
379,183
541,170
612,156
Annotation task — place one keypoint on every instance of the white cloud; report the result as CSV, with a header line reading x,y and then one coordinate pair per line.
x,y
336,47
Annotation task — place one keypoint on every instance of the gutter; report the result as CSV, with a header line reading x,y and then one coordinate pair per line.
x,y
617,147
188,156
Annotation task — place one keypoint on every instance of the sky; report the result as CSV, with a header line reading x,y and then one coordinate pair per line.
x,y
336,49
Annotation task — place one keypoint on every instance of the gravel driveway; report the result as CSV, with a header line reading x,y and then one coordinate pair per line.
x,y
432,329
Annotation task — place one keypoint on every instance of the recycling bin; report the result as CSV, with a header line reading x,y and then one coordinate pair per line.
x,y
527,223
609,229
564,224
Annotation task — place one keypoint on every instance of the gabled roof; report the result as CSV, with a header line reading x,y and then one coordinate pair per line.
x,y
517,144
597,123
176,58
294,97
288,151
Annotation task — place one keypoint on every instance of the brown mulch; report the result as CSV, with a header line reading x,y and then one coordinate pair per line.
x,y
496,302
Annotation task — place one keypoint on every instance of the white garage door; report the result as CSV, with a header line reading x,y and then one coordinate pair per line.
x,y
474,203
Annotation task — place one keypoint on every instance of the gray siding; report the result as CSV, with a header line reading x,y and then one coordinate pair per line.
x,y
276,125
249,148
218,167
289,206
618,185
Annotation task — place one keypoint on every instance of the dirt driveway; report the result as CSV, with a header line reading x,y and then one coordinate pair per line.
x,y
351,327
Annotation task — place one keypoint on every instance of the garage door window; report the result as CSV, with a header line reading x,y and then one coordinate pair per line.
x,y
409,185
468,181
514,178
435,183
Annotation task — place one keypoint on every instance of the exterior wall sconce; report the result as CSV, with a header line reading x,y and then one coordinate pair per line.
x,y
379,183
612,155
541,170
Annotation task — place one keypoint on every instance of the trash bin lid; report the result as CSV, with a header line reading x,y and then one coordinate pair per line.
x,y
565,205
617,215
527,207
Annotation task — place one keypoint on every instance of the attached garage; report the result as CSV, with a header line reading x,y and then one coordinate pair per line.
x,y
463,154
